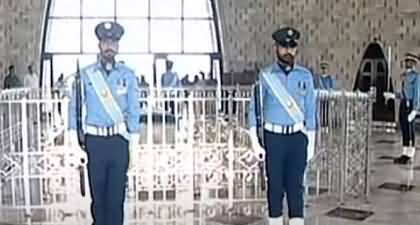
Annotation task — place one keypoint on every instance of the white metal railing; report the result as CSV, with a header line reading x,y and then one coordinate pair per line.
x,y
194,156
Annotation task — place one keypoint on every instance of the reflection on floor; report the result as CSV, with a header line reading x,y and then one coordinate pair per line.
x,y
395,192
394,198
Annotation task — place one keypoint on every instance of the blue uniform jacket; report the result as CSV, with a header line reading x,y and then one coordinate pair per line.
x,y
169,80
327,83
299,82
410,89
124,87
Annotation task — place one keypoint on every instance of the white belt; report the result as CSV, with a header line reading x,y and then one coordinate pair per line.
x,y
281,129
106,131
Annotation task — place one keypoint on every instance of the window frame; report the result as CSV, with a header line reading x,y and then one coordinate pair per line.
x,y
216,34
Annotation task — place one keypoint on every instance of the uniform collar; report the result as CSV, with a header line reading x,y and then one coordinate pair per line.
x,y
117,66
412,70
276,68
326,77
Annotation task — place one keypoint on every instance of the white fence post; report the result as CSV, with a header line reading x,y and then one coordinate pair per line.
x,y
25,154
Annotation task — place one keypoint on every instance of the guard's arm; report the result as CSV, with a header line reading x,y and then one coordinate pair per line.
x,y
252,120
416,99
133,107
310,114
133,116
310,106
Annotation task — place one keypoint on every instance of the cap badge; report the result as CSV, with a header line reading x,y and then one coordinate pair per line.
x,y
107,26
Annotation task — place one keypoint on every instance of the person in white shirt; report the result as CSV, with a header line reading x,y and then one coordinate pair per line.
x,y
31,79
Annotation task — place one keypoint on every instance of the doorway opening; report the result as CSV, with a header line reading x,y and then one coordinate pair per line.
x,y
374,72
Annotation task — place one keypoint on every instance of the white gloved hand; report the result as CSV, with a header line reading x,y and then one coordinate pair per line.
x,y
134,139
134,142
389,95
311,144
72,138
412,115
255,144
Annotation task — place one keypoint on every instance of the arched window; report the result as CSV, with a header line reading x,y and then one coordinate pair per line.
x,y
184,31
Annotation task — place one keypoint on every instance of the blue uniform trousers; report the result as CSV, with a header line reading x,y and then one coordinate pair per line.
x,y
107,167
285,165
407,128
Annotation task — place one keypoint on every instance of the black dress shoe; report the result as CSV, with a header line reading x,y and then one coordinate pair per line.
x,y
402,160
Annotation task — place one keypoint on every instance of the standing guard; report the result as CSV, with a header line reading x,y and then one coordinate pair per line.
x,y
287,117
409,106
170,81
326,82
110,124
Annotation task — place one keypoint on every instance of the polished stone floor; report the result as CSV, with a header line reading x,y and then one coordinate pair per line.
x,y
387,205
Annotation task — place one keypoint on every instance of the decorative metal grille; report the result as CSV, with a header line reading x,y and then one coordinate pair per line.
x,y
193,164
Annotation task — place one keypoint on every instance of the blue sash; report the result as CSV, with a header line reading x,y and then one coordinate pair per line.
x,y
105,96
283,97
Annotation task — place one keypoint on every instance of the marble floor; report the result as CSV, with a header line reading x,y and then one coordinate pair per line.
x,y
388,207
385,206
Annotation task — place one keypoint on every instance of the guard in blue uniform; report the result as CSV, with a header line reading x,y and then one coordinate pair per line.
x,y
325,82
170,80
409,106
111,125
287,105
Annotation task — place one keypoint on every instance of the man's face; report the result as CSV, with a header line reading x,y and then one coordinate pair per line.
x,y
108,48
286,54
169,66
409,64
